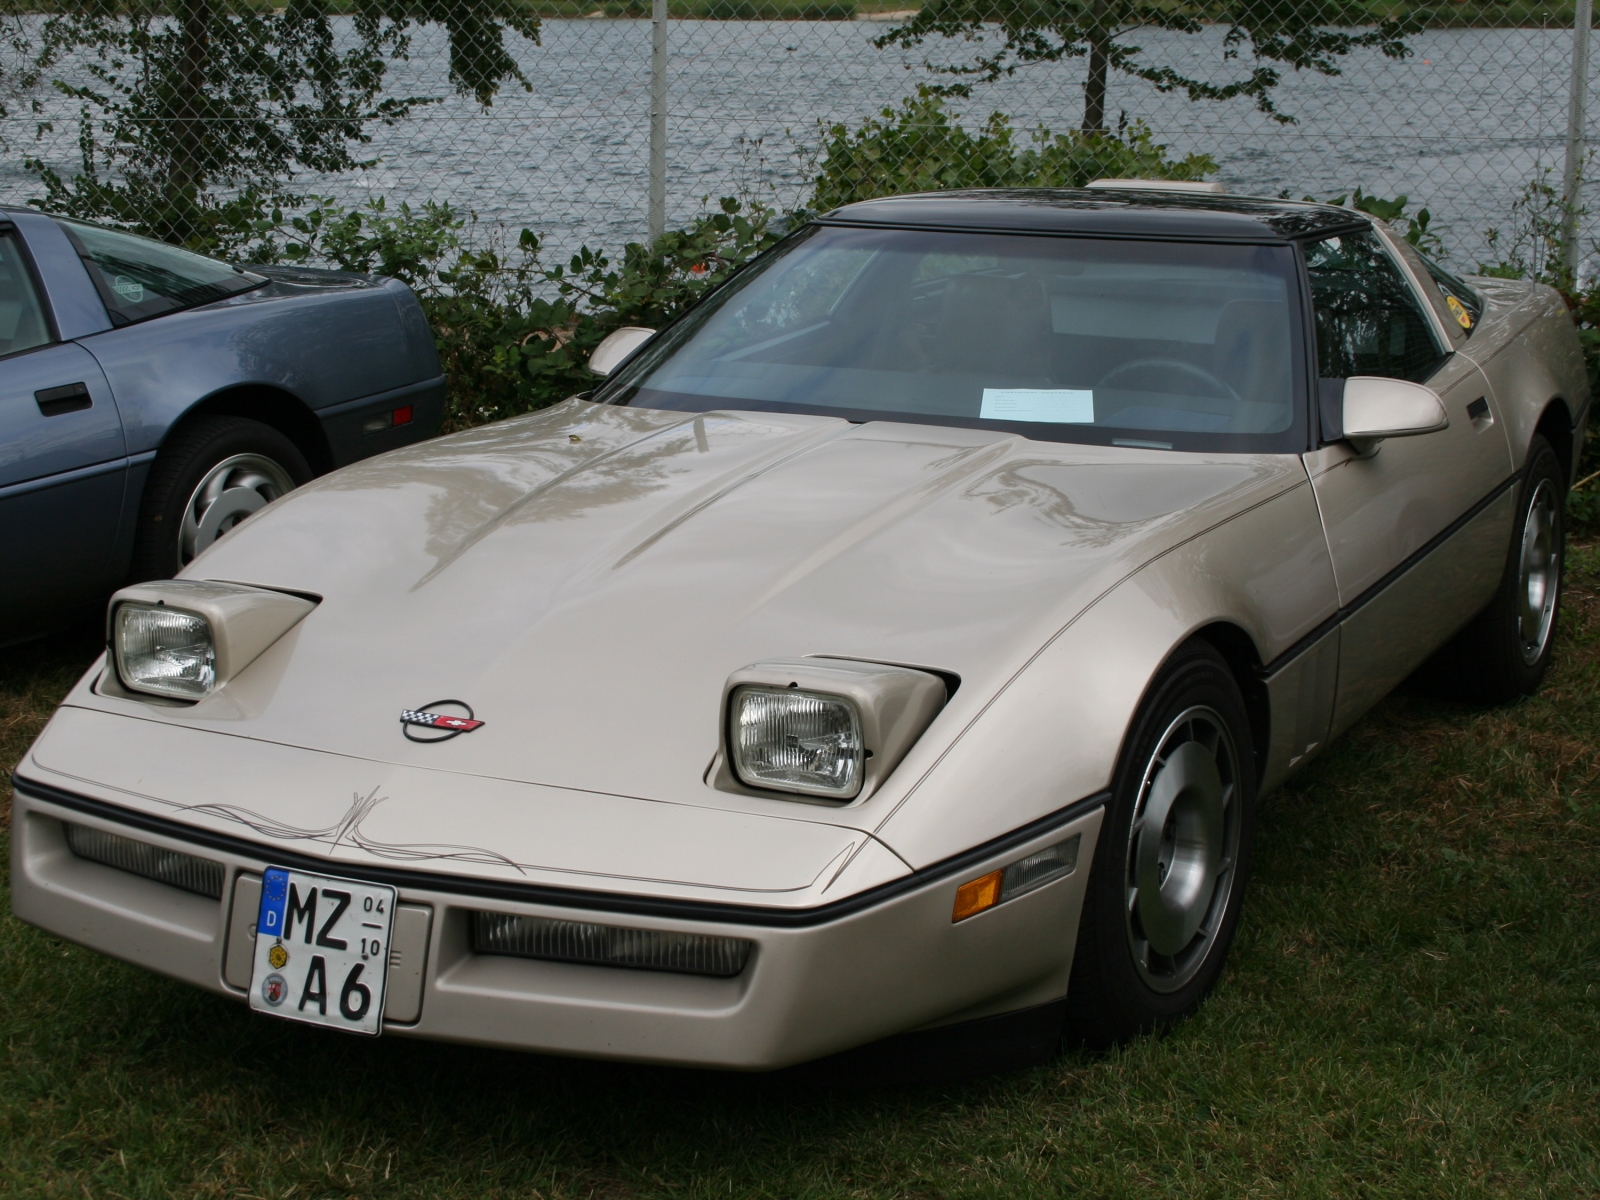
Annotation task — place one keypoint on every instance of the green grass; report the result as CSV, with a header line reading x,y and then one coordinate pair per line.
x,y
1412,1009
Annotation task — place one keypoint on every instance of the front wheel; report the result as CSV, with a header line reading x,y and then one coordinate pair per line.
x,y
211,475
1173,856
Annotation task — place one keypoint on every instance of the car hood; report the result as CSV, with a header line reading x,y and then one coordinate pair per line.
x,y
587,578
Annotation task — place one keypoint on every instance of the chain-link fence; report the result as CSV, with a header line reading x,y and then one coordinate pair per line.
x,y
1474,111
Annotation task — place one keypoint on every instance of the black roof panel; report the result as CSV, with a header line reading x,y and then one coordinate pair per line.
x,y
1104,211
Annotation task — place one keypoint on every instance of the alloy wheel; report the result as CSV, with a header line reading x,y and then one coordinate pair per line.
x,y
1539,573
232,490
1183,844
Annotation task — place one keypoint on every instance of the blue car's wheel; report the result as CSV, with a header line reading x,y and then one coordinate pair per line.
x,y
210,476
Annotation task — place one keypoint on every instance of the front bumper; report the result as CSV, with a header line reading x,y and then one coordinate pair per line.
x,y
818,981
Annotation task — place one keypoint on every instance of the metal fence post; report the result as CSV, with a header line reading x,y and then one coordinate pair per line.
x,y
1576,141
658,118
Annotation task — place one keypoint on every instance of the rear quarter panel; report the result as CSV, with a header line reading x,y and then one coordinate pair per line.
x,y
424,356
324,347
1528,347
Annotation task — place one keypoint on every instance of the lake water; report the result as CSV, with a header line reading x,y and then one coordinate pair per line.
x,y
1461,126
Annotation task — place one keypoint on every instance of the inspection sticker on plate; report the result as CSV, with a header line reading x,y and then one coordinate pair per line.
x,y
322,950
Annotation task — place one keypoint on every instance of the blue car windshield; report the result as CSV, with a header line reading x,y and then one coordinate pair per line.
x,y
1170,345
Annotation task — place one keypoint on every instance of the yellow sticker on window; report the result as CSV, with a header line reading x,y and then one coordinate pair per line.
x,y
1459,311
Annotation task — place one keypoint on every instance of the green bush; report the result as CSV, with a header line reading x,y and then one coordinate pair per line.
x,y
1533,246
1583,503
920,148
1418,229
513,334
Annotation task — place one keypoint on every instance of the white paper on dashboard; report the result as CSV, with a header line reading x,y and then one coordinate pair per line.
x,y
1058,406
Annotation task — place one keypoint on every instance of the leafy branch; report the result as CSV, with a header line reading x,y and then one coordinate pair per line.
x,y
1301,35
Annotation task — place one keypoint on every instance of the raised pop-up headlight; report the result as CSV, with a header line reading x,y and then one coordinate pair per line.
x,y
184,638
830,728
164,651
797,741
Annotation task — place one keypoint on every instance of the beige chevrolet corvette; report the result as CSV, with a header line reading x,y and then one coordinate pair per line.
x,y
901,641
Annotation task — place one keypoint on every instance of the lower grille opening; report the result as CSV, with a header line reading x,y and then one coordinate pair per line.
x,y
198,875
608,945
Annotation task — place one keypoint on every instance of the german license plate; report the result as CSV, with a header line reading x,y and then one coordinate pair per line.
x,y
322,950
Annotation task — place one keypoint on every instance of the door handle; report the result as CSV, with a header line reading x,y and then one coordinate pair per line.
x,y
71,397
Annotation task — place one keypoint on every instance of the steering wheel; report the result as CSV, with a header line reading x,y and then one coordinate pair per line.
x,y
1108,380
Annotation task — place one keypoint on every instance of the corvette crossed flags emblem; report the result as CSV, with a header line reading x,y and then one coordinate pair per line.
x,y
439,720
443,725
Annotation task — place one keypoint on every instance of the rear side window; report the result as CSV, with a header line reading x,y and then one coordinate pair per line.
x,y
1369,321
1465,305
139,278
22,323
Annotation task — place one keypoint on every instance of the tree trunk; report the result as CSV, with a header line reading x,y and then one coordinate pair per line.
x,y
1094,87
188,113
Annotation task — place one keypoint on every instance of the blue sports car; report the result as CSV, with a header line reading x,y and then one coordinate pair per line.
x,y
151,399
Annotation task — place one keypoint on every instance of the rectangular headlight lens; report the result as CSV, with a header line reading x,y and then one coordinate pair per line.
x,y
165,651
608,945
198,875
796,741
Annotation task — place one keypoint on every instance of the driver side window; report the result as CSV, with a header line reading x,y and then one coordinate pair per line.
x,y
1369,322
22,323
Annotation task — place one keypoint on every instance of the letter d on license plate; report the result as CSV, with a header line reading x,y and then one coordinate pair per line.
x,y
322,950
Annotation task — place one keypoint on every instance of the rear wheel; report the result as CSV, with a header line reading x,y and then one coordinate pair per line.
x,y
1505,652
1172,859
209,477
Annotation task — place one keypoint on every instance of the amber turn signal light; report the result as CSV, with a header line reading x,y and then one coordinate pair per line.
x,y
977,895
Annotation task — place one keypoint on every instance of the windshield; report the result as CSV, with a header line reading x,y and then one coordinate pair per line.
x,y
138,277
1162,344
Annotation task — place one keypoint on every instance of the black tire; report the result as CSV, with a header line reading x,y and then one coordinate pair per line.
x,y
1491,661
1122,985
197,452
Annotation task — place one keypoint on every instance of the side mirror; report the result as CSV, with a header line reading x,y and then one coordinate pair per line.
x,y
1371,409
619,344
